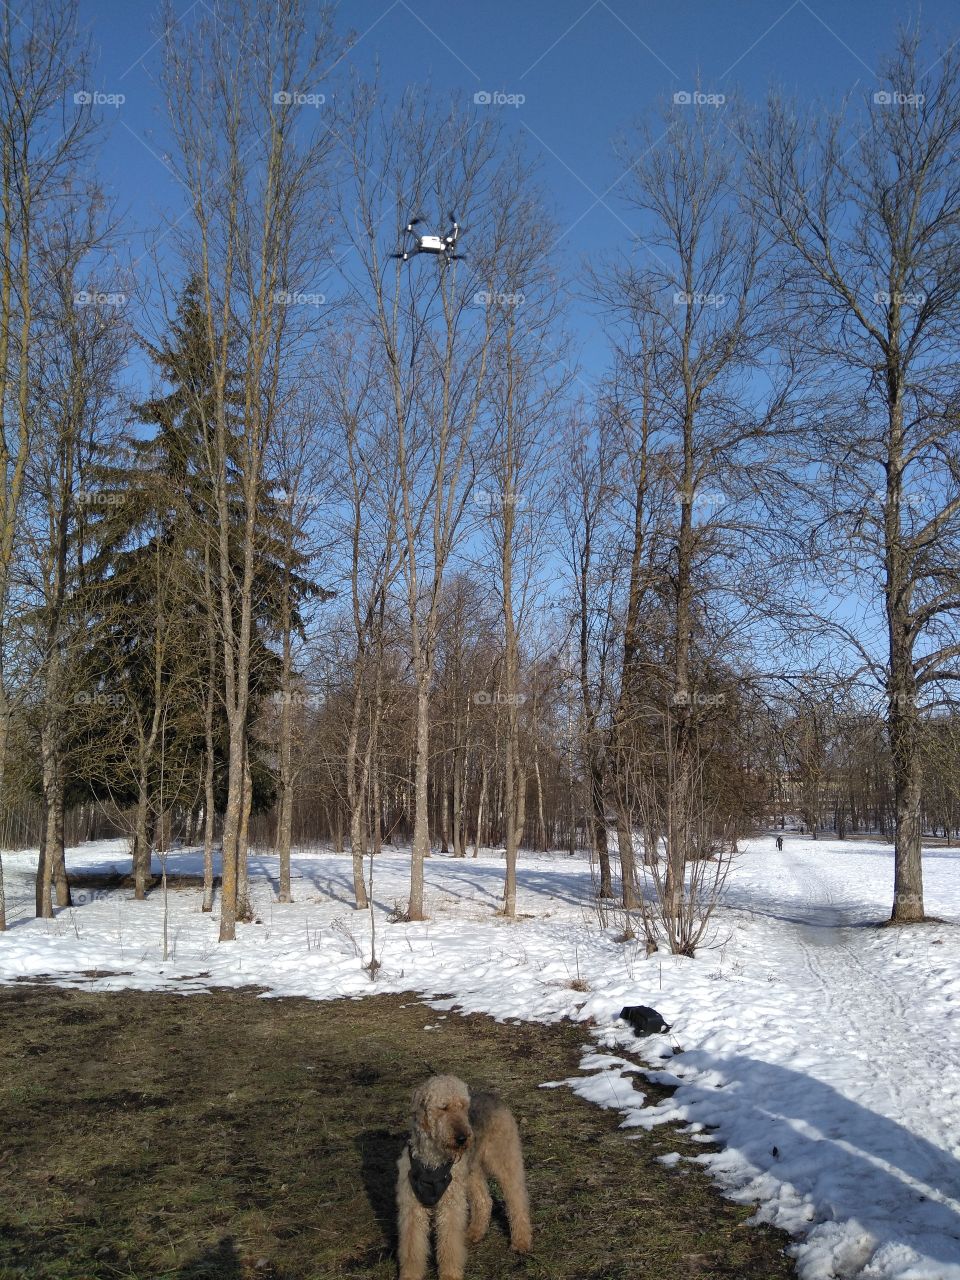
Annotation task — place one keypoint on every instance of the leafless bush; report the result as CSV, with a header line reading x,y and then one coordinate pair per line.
x,y
685,880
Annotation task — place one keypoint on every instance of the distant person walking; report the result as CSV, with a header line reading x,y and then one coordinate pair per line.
x,y
779,844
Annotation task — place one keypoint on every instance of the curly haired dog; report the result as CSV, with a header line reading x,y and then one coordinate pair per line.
x,y
457,1141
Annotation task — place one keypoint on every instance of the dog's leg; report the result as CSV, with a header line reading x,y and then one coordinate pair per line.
x,y
451,1224
478,1198
503,1159
413,1228
414,1243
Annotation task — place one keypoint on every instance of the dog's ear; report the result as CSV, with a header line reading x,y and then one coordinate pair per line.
x,y
419,1107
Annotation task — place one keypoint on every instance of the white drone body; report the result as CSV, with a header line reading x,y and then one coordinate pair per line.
x,y
443,247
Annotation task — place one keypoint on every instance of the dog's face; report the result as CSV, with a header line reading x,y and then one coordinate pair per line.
x,y
441,1113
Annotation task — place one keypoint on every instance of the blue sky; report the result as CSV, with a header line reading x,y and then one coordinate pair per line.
x,y
585,69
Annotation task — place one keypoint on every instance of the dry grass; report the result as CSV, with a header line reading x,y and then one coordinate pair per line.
x,y
229,1136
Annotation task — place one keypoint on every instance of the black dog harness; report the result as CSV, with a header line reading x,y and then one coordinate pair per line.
x,y
429,1184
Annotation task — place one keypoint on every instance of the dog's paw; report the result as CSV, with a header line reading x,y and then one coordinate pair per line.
x,y
521,1241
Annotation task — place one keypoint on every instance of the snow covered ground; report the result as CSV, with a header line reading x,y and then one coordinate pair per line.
x,y
821,1053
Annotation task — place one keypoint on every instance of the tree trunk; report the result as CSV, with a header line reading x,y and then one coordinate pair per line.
x,y
358,833
285,821
141,846
628,865
375,805
61,882
481,803
209,814
457,801
445,807
902,715
231,828
510,819
209,760
520,778
421,819
52,867
651,844
356,793
244,905
541,821
4,725
908,865
599,817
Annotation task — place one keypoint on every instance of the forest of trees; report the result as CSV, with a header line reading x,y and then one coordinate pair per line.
x,y
365,558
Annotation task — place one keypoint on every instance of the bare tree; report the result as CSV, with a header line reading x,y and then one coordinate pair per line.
x,y
238,86
528,382
436,343
683,918
74,406
44,134
866,206
644,493
590,552
301,461
353,390
702,318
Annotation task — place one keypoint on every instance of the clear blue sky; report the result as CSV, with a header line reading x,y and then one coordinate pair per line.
x,y
585,67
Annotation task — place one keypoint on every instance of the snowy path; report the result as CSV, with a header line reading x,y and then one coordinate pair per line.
x,y
850,1074
821,1053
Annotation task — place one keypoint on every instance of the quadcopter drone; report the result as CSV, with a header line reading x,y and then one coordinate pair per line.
x,y
443,247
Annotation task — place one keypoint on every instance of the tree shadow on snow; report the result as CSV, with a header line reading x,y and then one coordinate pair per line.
x,y
839,1160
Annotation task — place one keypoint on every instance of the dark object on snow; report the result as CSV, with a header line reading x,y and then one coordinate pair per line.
x,y
645,1022
779,843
